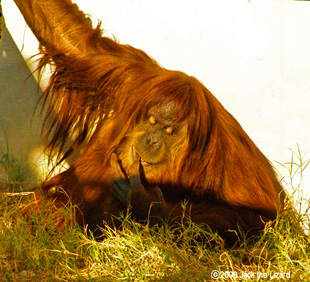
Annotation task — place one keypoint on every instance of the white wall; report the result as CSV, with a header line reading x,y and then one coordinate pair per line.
x,y
254,56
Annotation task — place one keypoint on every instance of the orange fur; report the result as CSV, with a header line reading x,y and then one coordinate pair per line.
x,y
99,83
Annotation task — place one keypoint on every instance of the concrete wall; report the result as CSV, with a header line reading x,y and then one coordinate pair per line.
x,y
20,123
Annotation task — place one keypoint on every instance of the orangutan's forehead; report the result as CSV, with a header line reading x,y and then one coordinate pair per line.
x,y
165,110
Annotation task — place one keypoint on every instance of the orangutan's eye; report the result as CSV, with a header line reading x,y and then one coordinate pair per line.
x,y
169,130
152,120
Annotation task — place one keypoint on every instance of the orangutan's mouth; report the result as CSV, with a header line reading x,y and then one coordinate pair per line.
x,y
136,156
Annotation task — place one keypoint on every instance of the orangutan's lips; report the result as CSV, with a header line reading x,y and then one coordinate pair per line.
x,y
136,156
143,162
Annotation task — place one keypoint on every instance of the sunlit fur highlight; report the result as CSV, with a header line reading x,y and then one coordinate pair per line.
x,y
98,94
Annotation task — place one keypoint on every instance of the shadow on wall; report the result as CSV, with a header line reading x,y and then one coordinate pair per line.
x,y
20,121
1,23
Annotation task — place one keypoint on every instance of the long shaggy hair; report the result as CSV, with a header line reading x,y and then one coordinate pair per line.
x,y
100,90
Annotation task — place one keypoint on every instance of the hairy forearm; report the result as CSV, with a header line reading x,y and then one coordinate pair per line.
x,y
59,25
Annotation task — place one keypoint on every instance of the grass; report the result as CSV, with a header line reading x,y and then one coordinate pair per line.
x,y
37,252
15,173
